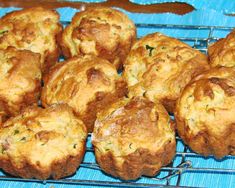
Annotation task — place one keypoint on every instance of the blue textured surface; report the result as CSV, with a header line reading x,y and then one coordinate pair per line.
x,y
199,17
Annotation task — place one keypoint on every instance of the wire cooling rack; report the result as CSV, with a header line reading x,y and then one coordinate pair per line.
x,y
186,162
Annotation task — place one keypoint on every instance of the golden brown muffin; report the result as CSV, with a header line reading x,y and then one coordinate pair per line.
x,y
159,67
20,80
100,31
222,52
34,29
205,113
86,83
42,143
133,137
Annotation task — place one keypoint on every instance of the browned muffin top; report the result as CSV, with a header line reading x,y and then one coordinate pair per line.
x,y
222,52
159,67
33,29
100,31
36,140
86,83
20,79
133,137
205,113
124,126
77,80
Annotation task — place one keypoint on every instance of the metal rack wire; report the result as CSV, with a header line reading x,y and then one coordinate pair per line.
x,y
172,170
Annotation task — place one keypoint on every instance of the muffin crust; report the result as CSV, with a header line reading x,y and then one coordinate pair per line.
x,y
35,29
133,137
100,31
86,83
20,80
205,113
222,52
159,67
42,143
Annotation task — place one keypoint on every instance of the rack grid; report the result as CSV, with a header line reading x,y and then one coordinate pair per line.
x,y
175,169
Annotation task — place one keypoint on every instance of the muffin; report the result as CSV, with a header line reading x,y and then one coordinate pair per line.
x,y
87,84
205,113
100,31
42,143
222,52
133,137
34,29
159,67
20,80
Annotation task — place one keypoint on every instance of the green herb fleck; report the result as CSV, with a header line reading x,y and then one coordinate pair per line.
x,y
150,48
163,47
107,148
3,150
23,138
144,94
169,121
16,132
75,146
3,32
130,145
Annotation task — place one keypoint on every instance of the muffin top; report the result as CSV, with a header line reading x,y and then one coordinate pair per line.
x,y
79,81
101,31
207,104
222,52
42,137
131,124
33,29
20,77
159,67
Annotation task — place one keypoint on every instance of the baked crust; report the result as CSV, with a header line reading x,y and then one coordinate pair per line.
x,y
133,137
35,29
159,67
42,143
205,113
20,80
100,31
85,83
222,52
